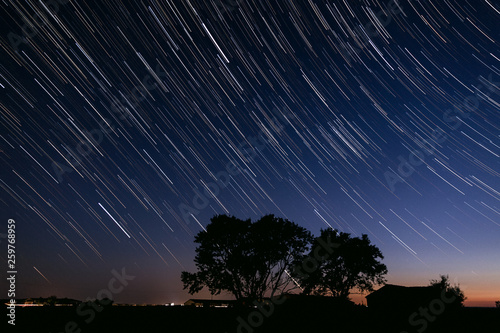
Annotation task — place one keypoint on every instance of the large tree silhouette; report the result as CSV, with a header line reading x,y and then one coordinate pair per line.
x,y
353,264
246,259
453,293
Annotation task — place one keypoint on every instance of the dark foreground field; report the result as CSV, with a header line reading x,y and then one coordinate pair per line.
x,y
283,318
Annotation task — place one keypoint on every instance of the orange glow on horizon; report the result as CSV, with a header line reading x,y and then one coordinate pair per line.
x,y
475,298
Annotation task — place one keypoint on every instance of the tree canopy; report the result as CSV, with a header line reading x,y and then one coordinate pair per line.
x,y
354,264
451,292
246,259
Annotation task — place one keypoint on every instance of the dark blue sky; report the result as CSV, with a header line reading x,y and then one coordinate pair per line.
x,y
127,126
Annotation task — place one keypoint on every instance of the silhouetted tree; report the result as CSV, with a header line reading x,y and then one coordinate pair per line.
x,y
444,284
353,264
244,258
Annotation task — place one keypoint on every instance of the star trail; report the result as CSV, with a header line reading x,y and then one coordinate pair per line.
x,y
126,125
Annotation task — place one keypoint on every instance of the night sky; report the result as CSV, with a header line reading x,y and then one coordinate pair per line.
x,y
127,125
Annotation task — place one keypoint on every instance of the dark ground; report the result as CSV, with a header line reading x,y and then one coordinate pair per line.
x,y
286,317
